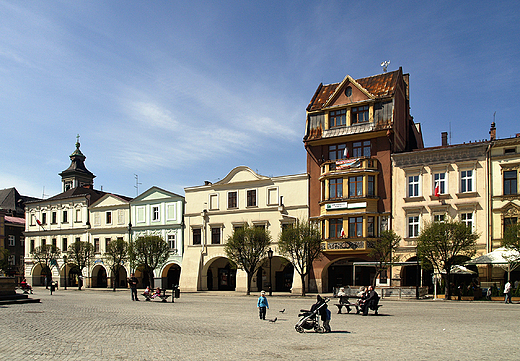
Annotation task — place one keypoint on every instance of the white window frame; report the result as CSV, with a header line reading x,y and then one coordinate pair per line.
x,y
171,211
78,214
155,216
96,219
272,196
140,211
227,199
12,240
465,179
414,223
120,216
213,201
417,183
107,213
256,197
443,183
172,242
468,221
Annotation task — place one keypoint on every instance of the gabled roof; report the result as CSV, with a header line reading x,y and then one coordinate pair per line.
x,y
120,198
11,200
376,86
78,192
153,189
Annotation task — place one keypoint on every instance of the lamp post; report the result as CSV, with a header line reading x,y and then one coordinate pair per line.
x,y
65,271
270,255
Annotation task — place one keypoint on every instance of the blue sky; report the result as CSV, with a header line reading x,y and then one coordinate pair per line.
x,y
181,92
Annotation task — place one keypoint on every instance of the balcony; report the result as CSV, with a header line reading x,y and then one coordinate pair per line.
x,y
343,166
352,244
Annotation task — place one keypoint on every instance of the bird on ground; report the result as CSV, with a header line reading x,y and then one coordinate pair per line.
x,y
282,311
273,320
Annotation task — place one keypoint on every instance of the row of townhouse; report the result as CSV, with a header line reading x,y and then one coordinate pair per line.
x,y
82,213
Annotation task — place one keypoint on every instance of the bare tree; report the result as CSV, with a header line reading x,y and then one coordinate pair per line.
x,y
383,251
246,247
46,256
301,243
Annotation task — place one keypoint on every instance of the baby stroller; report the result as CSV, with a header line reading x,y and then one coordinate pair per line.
x,y
310,320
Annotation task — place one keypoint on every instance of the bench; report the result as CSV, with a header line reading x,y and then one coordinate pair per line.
x,y
344,302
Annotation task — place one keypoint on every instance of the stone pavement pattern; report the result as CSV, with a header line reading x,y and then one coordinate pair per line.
x,y
105,325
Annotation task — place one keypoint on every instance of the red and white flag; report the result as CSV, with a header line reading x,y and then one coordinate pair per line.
x,y
342,233
437,190
38,221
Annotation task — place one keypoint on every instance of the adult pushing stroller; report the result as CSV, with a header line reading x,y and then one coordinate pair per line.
x,y
310,320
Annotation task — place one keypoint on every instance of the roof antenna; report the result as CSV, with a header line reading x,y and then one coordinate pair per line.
x,y
385,64
137,184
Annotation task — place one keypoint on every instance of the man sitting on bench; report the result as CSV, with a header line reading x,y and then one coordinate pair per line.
x,y
370,302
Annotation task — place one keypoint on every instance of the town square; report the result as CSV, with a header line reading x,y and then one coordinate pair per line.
x,y
105,325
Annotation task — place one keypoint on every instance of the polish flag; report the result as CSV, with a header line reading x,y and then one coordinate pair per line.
x,y
437,190
345,153
38,221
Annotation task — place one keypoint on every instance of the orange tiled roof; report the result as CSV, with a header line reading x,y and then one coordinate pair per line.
x,y
380,85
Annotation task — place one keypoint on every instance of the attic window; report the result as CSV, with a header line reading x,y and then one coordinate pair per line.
x,y
348,91
338,118
509,151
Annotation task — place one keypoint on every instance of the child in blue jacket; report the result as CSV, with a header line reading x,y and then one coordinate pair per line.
x,y
262,305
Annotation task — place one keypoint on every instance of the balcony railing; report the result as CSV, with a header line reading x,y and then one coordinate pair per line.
x,y
351,244
348,165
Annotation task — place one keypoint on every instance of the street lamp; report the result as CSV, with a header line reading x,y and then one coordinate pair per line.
x,y
270,255
65,270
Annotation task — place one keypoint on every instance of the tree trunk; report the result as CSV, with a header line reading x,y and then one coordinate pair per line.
x,y
249,277
448,286
303,284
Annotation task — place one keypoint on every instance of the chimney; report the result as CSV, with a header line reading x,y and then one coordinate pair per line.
x,y
493,132
207,183
444,138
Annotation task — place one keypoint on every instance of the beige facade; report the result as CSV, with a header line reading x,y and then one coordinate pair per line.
x,y
212,213
109,219
504,193
460,174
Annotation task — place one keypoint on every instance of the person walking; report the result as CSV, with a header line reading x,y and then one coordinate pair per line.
x,y
323,312
507,292
262,305
133,286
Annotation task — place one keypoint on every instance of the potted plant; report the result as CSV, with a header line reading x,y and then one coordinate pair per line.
x,y
468,293
515,296
495,293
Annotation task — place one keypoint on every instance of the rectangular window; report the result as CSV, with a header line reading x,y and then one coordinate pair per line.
x,y
11,240
109,218
155,214
171,208
120,216
44,218
355,186
467,218
439,217
215,235
33,219
11,260
78,239
466,181
355,227
360,114
337,152
371,185
251,198
96,245
413,186
54,217
78,215
140,214
54,243
272,196
371,227
338,118
361,149
335,188
107,243
31,247
171,241
197,236
413,226
64,245
64,217
335,227
44,242
510,182
508,222
232,200
440,181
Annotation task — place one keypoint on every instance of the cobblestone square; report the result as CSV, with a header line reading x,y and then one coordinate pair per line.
x,y
104,325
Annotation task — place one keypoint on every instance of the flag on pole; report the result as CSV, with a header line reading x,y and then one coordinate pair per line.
x,y
342,233
38,221
437,190
345,153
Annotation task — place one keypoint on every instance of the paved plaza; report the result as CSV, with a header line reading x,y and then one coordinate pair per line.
x,y
105,325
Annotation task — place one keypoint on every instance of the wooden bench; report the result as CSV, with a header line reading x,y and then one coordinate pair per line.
x,y
344,302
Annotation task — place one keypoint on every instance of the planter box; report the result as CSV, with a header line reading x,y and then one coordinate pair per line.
x,y
441,296
497,298
467,298
515,298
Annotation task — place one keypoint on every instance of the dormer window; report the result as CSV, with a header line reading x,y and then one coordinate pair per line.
x,y
360,114
338,118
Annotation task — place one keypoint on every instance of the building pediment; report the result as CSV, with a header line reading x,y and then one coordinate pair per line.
x,y
154,194
347,92
109,200
241,174
510,210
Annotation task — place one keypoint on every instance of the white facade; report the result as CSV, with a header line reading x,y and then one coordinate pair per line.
x,y
212,213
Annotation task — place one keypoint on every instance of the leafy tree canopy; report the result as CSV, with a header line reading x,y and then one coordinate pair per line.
x,y
150,252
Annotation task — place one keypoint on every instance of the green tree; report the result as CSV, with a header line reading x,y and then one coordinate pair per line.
x,y
4,259
443,244
46,256
246,247
116,255
301,243
383,251
80,253
150,252
512,237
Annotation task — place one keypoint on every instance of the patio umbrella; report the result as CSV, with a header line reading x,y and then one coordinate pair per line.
x,y
460,270
506,258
